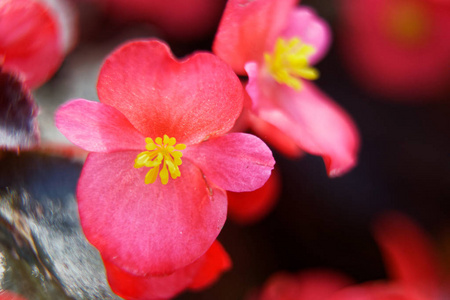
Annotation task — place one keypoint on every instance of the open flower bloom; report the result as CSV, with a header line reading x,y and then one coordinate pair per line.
x,y
410,261
195,276
398,48
151,194
34,38
275,43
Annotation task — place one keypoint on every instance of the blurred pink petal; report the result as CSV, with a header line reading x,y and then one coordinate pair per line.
x,y
30,44
303,22
408,253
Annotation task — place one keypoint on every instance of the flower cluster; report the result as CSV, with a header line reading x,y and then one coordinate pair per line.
x,y
166,159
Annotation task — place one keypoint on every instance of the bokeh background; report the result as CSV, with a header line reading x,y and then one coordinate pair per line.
x,y
318,222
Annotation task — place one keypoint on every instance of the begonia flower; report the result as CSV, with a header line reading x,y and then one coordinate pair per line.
x,y
179,19
196,276
398,48
34,38
315,284
411,263
151,194
275,43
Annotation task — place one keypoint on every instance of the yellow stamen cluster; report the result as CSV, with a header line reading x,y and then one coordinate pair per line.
x,y
161,151
289,62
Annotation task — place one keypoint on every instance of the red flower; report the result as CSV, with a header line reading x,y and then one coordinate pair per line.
x,y
34,38
274,42
398,48
160,116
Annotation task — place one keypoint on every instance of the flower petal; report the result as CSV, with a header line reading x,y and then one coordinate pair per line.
x,y
189,100
250,207
97,127
149,229
237,162
248,28
216,262
29,41
274,137
310,118
396,236
194,276
135,287
311,29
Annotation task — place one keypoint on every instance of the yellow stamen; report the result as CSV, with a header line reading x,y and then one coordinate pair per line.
x,y
163,151
289,62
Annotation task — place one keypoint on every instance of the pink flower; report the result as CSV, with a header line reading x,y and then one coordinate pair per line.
x,y
34,38
160,117
274,43
398,48
410,261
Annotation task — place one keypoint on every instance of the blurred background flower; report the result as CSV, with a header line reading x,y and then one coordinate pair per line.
x,y
399,49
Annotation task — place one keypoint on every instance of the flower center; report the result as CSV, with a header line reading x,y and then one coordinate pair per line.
x,y
289,62
163,151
